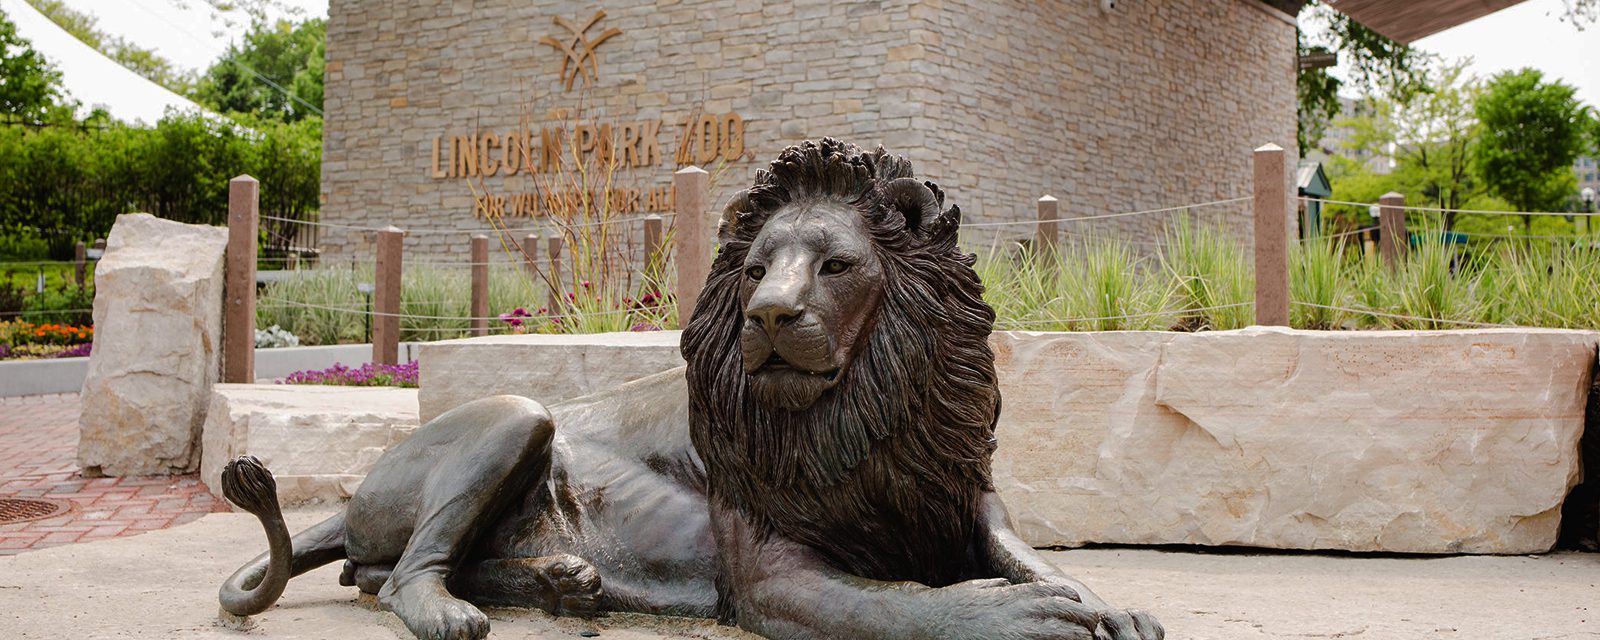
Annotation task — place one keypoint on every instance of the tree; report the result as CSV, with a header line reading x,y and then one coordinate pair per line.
x,y
29,84
1431,137
1531,132
1377,64
275,73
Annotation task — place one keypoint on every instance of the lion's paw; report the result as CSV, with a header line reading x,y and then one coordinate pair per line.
x,y
431,613
574,584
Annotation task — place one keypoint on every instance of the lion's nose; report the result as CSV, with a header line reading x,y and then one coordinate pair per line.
x,y
772,315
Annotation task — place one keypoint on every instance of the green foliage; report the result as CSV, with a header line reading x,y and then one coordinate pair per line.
x,y
1208,269
1432,137
66,184
28,82
275,73
144,62
1532,130
62,305
1378,65
1319,280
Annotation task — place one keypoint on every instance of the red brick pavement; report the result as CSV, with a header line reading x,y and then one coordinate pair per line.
x,y
38,459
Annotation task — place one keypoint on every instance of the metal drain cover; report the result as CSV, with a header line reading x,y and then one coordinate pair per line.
x,y
25,509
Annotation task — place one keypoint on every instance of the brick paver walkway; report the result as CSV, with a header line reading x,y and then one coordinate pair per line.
x,y
38,459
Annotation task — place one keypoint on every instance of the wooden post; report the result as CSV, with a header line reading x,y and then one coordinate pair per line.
x,y
696,237
556,303
480,285
80,262
239,283
530,256
293,262
1392,238
1272,236
654,262
386,297
1045,234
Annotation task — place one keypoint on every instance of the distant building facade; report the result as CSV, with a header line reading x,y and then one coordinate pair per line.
x,y
1587,169
437,112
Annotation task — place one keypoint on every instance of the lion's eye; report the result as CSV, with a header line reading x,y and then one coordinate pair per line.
x,y
756,272
835,267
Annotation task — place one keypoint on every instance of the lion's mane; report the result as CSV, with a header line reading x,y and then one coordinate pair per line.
x,y
882,474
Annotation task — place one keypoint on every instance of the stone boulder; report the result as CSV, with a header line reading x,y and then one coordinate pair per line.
x,y
157,347
319,441
546,368
1403,441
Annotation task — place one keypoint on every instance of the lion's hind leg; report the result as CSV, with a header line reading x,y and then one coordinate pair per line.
x,y
559,584
473,462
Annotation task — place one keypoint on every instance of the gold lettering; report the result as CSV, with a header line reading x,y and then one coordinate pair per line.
x,y
732,136
649,143
511,154
466,155
709,139
549,150
437,172
604,146
685,152
584,135
486,158
630,145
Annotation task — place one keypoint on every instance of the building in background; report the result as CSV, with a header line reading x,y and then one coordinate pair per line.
x,y
1108,108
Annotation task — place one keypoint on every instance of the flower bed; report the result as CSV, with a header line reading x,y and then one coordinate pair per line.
x,y
21,340
367,375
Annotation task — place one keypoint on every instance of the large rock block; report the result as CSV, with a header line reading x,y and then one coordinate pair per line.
x,y
1423,442
546,368
158,326
319,441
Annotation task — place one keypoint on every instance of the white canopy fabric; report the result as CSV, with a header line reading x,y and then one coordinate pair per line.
x,y
89,76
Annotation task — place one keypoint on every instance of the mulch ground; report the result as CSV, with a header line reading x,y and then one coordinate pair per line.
x,y
38,459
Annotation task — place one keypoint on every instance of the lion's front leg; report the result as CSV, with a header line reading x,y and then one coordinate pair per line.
x,y
784,590
1007,556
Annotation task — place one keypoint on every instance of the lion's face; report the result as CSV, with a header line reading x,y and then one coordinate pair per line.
x,y
811,285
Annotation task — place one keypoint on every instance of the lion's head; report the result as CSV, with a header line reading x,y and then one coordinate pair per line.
x,y
842,389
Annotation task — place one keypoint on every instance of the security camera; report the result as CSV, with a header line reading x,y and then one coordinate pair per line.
x,y
1108,5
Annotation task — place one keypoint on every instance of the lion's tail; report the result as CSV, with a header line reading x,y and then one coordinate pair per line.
x,y
257,584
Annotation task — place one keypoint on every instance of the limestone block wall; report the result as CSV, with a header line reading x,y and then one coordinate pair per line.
x,y
1401,441
1149,105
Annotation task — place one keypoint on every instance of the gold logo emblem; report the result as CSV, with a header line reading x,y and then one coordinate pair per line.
x,y
580,57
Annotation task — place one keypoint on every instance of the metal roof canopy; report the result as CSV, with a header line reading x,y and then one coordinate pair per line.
x,y
1408,22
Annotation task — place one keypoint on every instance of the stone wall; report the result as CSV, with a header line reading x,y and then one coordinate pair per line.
x,y
1152,104
1401,441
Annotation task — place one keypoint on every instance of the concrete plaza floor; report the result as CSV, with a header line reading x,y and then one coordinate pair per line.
x,y
163,584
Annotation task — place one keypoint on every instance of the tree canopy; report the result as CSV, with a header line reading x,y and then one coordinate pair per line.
x,y
29,84
1532,130
276,72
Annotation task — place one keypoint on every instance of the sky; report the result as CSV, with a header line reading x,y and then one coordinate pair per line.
x,y
1530,34
189,34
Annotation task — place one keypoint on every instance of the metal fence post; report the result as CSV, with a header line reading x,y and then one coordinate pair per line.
x,y
239,283
556,303
1272,235
480,284
654,262
696,237
530,255
386,297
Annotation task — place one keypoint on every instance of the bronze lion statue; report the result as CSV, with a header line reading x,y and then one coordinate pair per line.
x,y
820,469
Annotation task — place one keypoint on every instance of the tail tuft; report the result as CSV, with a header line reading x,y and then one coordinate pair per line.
x,y
249,485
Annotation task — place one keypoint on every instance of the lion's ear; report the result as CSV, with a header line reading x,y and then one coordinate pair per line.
x,y
914,200
737,210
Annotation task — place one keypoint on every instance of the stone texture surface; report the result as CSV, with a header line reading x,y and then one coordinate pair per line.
x,y
319,441
158,327
999,102
163,585
546,368
1423,442
1404,441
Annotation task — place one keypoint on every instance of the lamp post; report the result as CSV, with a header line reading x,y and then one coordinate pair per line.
x,y
1588,197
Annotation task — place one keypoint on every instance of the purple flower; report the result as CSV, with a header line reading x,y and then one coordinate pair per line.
x,y
367,375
